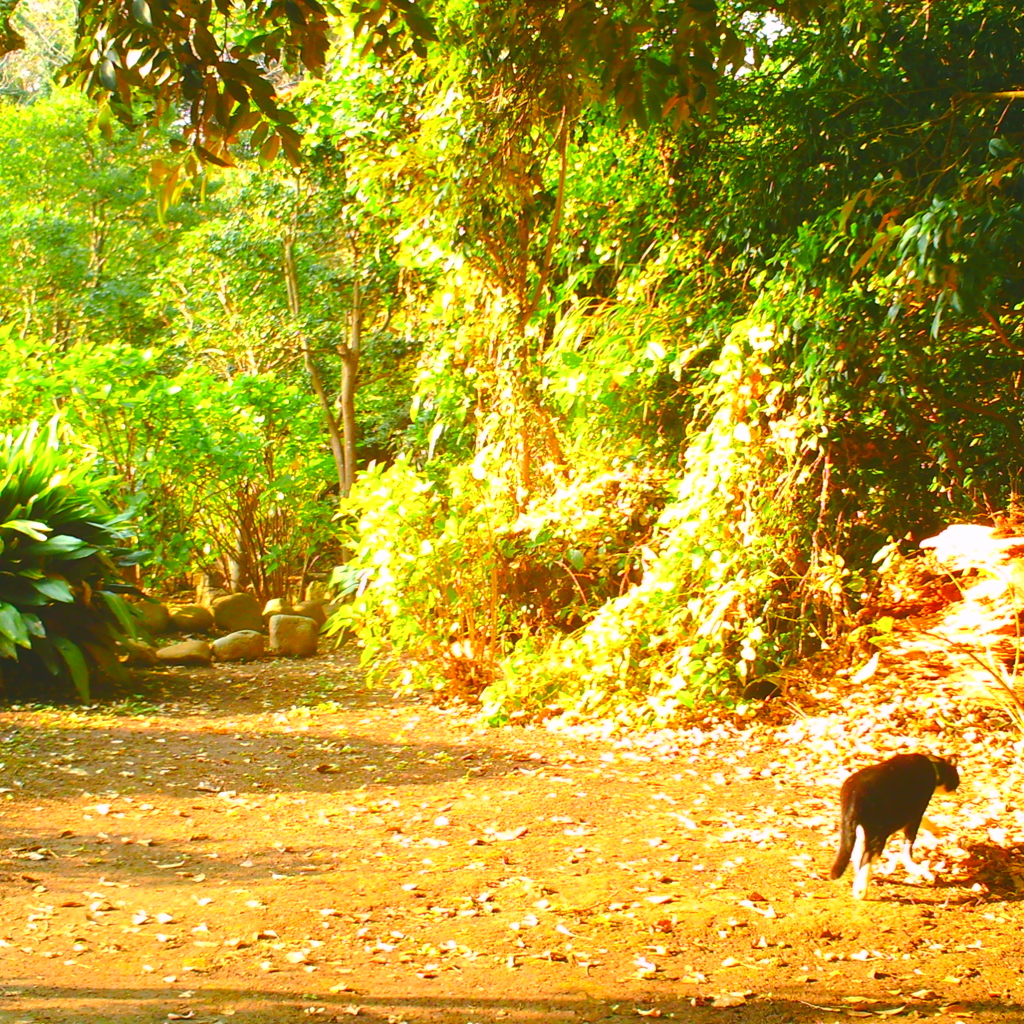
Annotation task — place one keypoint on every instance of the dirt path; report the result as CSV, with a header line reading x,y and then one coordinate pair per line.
x,y
276,843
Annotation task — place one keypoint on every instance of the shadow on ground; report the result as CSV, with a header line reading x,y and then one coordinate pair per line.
x,y
113,1006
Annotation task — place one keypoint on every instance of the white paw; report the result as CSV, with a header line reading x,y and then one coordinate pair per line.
x,y
920,869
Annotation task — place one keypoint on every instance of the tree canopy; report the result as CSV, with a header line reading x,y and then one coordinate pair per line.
x,y
225,63
641,328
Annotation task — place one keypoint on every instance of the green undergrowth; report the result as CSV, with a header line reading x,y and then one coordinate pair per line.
x,y
622,593
61,621
722,598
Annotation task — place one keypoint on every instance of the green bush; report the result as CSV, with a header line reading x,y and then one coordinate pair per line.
x,y
212,465
60,621
453,574
428,562
739,577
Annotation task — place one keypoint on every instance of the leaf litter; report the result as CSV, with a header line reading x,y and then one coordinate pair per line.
x,y
583,874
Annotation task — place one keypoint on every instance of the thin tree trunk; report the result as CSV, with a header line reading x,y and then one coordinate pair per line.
x,y
556,220
292,282
532,410
349,375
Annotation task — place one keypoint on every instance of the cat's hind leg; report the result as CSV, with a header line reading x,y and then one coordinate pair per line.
x,y
861,860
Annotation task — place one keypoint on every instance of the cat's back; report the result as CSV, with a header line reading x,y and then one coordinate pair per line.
x,y
904,781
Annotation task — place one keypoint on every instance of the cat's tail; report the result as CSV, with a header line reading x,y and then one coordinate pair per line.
x,y
847,838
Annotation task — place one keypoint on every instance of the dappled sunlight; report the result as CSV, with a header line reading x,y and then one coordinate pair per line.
x,y
480,483
347,851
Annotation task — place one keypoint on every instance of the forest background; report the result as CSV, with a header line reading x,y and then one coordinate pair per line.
x,y
611,349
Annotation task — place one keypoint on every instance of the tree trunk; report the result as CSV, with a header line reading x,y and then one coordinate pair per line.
x,y
338,450
349,375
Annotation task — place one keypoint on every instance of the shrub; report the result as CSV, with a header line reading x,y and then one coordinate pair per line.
x,y
427,561
60,619
216,465
718,602
453,573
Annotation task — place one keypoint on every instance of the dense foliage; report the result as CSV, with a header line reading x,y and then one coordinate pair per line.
x,y
169,350
784,315
650,329
61,621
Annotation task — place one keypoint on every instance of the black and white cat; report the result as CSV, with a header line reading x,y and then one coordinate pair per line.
x,y
882,799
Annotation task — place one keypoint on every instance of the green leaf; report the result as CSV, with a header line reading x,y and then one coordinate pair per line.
x,y
121,611
844,214
37,531
108,75
75,661
46,653
136,557
12,625
61,544
107,662
75,556
269,149
419,24
999,147
20,591
142,13
211,158
33,624
55,588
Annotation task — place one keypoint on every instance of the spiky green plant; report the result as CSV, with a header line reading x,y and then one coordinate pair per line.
x,y
61,619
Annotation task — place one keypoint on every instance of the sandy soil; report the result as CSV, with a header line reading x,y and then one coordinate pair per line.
x,y
275,842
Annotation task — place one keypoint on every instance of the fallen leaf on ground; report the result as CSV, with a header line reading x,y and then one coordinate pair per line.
x,y
728,999
509,835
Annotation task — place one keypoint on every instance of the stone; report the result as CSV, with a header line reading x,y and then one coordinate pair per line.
x,y
139,654
192,618
188,652
242,645
237,611
313,610
152,615
277,606
293,636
